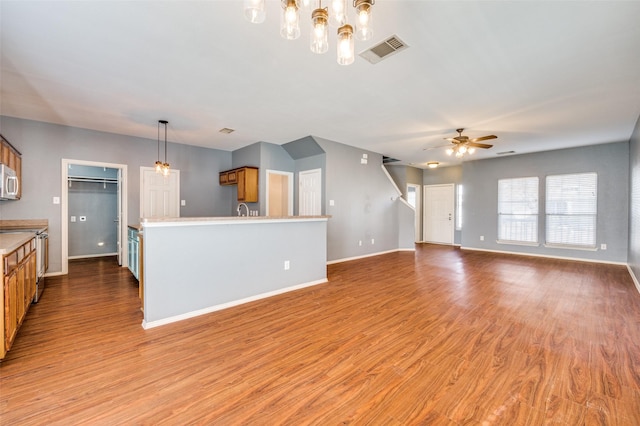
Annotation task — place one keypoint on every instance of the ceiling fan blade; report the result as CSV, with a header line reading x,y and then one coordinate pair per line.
x,y
479,145
484,138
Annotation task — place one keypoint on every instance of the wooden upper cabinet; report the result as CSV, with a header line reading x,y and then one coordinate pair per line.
x,y
247,180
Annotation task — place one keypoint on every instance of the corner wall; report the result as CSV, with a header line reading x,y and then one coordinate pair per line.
x,y
634,204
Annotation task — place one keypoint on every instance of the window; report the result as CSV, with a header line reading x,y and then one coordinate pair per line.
x,y
518,210
571,208
459,208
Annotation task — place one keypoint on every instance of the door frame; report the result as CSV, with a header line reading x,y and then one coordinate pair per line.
x,y
452,188
289,176
64,209
419,236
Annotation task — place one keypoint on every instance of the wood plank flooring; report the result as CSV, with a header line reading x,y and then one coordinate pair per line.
x,y
436,337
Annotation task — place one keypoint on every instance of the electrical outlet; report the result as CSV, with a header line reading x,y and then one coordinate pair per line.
x,y
603,246
73,218
56,200
332,203
481,237
360,242
373,241
183,203
287,265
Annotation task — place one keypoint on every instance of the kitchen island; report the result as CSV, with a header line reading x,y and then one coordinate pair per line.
x,y
193,266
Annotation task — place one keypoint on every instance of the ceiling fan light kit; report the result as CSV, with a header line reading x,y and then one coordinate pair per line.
x,y
336,14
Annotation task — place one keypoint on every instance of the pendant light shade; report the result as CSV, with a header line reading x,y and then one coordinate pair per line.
x,y
320,31
346,49
290,20
254,11
364,29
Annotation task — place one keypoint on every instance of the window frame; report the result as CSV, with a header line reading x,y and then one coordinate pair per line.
x,y
576,229
518,216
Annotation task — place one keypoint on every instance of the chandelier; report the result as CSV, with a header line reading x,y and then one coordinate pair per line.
x,y
335,14
162,167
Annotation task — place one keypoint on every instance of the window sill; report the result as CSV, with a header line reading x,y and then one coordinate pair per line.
x,y
518,243
560,246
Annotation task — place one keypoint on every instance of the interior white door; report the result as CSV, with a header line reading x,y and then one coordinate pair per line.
x,y
438,213
160,195
310,192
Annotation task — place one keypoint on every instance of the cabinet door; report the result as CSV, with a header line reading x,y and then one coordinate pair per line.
x,y
20,296
31,273
10,308
248,185
233,177
224,178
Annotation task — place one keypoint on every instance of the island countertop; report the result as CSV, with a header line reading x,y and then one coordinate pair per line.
x,y
225,220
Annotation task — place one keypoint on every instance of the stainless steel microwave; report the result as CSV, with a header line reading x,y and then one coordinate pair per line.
x,y
9,184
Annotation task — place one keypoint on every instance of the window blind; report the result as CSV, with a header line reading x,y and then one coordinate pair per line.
x,y
518,210
571,209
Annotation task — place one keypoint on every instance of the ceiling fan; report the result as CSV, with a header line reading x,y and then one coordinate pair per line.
x,y
463,145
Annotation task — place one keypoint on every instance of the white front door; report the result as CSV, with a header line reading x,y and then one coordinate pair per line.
x,y
310,193
159,194
438,213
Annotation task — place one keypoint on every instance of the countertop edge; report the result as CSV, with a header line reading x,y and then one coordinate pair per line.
x,y
226,220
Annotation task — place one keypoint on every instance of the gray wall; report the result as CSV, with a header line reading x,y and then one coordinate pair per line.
x,y
609,161
44,145
364,203
199,266
634,203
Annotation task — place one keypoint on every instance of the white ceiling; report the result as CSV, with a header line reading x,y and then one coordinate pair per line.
x,y
538,74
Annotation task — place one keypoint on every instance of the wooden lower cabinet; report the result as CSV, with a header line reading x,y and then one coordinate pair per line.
x,y
19,282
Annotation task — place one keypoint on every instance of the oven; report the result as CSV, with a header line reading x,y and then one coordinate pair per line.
x,y
41,262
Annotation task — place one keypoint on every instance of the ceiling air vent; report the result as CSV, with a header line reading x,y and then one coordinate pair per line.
x,y
383,50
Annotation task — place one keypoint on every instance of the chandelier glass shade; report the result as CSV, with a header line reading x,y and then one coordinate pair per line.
x,y
460,150
290,20
320,31
254,11
335,14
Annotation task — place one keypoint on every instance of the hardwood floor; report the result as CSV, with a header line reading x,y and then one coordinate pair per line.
x,y
437,337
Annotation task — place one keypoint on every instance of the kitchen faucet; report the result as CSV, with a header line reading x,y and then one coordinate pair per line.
x,y
240,208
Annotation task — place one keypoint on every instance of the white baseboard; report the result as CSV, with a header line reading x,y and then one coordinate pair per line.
x,y
89,256
634,278
544,255
347,259
151,324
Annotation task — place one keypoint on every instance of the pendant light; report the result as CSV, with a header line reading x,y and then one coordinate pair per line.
x,y
290,20
364,30
346,49
160,166
254,11
320,30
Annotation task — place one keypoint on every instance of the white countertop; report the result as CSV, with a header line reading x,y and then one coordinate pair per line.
x,y
225,220
11,241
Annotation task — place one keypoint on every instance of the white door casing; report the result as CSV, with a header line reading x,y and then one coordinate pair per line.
x,y
64,207
439,205
159,194
279,188
416,203
310,192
